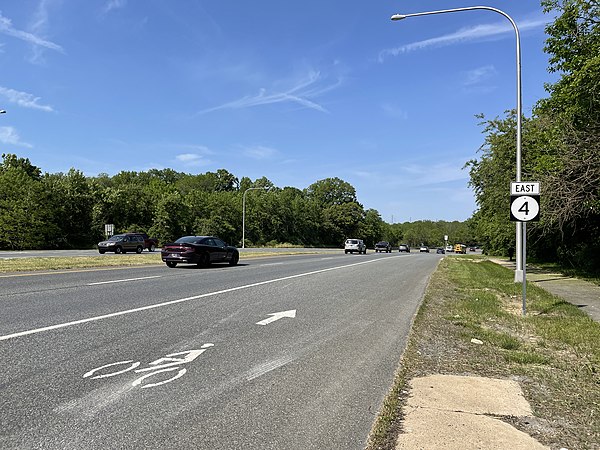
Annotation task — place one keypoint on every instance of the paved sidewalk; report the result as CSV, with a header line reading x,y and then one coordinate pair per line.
x,y
581,293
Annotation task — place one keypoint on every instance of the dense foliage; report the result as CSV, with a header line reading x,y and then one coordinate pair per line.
x,y
70,210
561,150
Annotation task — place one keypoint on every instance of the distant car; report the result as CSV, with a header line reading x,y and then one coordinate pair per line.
x,y
355,245
404,248
383,246
199,250
472,249
149,243
122,243
449,248
440,250
424,249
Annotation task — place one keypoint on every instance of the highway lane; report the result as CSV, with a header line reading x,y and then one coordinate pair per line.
x,y
312,381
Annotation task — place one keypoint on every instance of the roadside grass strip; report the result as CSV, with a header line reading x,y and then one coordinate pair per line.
x,y
89,262
471,323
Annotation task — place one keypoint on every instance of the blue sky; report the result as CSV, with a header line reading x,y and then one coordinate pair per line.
x,y
293,92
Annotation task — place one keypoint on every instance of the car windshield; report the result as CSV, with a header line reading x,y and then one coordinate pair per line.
x,y
116,238
188,240
351,241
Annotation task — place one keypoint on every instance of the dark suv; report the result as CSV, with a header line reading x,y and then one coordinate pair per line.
x,y
383,246
122,243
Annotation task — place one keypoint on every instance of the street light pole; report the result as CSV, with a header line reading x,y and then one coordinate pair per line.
x,y
244,212
520,234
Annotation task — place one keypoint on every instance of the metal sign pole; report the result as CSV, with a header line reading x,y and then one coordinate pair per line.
x,y
524,265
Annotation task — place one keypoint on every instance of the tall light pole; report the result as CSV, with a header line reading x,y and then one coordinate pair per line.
x,y
244,212
520,226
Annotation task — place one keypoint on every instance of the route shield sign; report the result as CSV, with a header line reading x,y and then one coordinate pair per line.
x,y
525,201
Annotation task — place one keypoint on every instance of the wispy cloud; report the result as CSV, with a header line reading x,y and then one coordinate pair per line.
x,y
113,4
465,35
478,75
260,152
23,99
8,135
394,111
192,159
6,27
303,94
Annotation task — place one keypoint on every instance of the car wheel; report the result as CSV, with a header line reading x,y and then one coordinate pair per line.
x,y
119,250
151,248
139,250
204,260
171,264
346,252
102,252
234,259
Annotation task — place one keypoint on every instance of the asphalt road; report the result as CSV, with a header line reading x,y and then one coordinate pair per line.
x,y
151,357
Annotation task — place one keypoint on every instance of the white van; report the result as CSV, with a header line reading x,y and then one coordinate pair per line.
x,y
355,245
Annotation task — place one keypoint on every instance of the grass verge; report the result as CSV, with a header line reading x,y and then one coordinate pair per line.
x,y
553,352
87,262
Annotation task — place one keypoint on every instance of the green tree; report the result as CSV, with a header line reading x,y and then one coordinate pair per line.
x,y
26,218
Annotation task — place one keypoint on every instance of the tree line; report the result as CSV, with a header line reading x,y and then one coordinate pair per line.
x,y
561,150
43,210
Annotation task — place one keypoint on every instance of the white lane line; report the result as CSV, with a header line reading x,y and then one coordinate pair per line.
x,y
329,257
124,281
271,264
181,300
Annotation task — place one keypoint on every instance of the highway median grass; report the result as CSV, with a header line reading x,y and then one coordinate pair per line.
x,y
553,352
32,264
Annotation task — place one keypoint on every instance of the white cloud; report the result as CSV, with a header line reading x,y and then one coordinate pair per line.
x,y
6,27
8,135
478,75
192,160
302,93
23,99
260,152
465,35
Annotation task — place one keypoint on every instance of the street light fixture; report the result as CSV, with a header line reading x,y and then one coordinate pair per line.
x,y
2,111
520,226
244,212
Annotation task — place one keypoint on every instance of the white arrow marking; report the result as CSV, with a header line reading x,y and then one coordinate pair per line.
x,y
276,316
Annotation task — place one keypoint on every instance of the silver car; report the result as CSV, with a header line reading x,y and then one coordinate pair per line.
x,y
355,245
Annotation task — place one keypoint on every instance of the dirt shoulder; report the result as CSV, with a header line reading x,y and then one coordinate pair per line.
x,y
471,355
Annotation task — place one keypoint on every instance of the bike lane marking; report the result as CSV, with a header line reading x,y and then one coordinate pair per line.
x,y
181,300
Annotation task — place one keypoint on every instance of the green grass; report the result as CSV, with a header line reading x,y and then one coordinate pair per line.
x,y
107,260
554,350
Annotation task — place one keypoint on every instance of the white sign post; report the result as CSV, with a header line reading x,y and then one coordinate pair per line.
x,y
109,229
524,207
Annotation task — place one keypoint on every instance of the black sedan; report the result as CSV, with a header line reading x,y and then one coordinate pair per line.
x,y
199,250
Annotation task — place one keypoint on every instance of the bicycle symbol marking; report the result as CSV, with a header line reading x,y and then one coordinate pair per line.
x,y
168,363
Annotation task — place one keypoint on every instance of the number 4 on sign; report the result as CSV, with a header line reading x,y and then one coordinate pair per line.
x,y
524,208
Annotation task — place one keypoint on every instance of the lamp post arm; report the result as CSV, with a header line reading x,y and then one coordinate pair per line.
x,y
518,38
519,230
